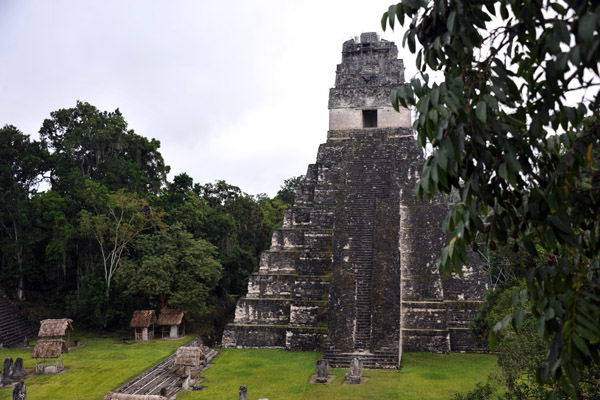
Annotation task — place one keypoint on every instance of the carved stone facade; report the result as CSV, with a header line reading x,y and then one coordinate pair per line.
x,y
353,269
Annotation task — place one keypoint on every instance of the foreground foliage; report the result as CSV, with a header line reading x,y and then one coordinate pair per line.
x,y
101,365
282,375
513,131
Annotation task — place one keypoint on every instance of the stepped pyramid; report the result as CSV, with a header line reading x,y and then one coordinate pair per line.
x,y
15,328
353,270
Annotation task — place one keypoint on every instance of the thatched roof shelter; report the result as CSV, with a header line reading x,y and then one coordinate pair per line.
x,y
55,327
169,316
189,356
143,318
49,348
124,396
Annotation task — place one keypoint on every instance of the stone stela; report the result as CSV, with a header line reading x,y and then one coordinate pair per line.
x,y
353,270
322,371
243,393
356,367
20,392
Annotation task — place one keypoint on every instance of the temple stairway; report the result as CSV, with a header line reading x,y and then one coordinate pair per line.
x,y
14,325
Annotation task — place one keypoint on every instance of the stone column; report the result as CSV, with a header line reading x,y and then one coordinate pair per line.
x,y
243,392
322,371
186,381
8,366
355,371
18,373
20,392
174,332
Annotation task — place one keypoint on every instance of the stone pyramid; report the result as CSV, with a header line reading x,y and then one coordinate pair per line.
x,y
353,270
15,328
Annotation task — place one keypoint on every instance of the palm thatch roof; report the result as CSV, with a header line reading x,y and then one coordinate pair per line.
x,y
169,316
49,348
189,356
55,327
124,396
143,318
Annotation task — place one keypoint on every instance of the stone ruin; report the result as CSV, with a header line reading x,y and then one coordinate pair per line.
x,y
356,369
353,270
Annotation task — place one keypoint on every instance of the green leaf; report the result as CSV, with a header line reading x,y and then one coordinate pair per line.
x,y
481,111
384,19
581,345
518,318
503,171
450,22
587,26
560,224
394,99
541,325
392,15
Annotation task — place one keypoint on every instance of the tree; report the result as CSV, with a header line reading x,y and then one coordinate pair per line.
x,y
287,191
119,218
504,132
87,142
173,267
22,163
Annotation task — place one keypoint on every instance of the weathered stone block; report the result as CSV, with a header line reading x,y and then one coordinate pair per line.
x,y
424,315
254,336
278,262
287,239
262,311
311,287
426,340
308,313
312,263
304,338
270,285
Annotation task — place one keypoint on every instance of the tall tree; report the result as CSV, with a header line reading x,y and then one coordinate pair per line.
x,y
173,267
506,128
118,219
87,142
21,167
287,191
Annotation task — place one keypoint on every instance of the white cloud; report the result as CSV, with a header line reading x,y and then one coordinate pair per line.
x,y
233,90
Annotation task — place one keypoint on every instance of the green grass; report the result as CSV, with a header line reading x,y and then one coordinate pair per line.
x,y
281,375
104,364
101,365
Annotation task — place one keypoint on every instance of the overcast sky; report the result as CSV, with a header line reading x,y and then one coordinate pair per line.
x,y
233,90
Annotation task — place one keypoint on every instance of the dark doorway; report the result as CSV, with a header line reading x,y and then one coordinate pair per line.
x,y
369,118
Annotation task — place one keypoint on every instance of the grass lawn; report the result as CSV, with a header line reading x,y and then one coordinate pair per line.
x,y
281,375
104,364
100,365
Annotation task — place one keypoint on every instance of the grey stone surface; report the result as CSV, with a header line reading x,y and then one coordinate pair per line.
x,y
20,392
322,371
356,367
7,371
353,270
243,392
18,372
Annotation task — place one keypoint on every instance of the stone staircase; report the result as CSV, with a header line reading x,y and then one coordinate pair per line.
x,y
380,359
165,375
15,328
360,211
368,184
